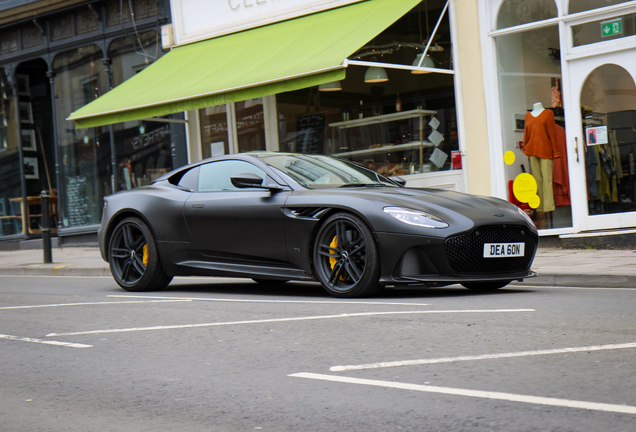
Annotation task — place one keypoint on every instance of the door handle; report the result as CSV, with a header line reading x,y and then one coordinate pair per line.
x,y
576,147
197,206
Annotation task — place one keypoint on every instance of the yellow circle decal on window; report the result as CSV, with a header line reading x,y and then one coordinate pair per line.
x,y
524,187
509,157
534,202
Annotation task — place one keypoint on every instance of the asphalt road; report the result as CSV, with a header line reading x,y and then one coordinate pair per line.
x,y
79,354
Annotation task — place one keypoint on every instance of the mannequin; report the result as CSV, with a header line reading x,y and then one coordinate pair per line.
x,y
541,146
537,109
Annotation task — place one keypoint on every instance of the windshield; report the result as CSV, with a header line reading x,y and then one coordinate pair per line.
x,y
314,171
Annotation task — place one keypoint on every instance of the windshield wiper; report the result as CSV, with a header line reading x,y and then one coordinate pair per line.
x,y
364,185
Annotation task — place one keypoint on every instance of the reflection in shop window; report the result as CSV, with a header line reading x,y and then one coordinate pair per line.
x,y
533,124
585,5
604,30
84,152
517,12
11,221
214,131
250,125
142,147
608,110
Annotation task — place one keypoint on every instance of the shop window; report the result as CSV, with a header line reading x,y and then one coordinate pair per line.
x,y
602,30
517,12
585,5
214,131
142,147
85,153
533,125
250,125
146,9
406,125
608,108
407,38
11,221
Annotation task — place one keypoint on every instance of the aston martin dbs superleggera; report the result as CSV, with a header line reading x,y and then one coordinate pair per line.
x,y
275,217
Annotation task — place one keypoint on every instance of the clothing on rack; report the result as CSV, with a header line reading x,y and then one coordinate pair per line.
x,y
560,172
542,173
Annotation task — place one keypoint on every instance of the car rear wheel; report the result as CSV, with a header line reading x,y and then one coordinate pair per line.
x,y
485,286
346,257
134,259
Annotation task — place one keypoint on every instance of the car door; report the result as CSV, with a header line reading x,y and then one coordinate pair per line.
x,y
236,224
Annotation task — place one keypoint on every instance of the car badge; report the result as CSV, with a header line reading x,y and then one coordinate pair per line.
x,y
498,215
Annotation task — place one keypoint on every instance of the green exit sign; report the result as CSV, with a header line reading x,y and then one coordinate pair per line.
x,y
612,27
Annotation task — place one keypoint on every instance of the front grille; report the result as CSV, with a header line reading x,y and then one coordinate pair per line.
x,y
465,252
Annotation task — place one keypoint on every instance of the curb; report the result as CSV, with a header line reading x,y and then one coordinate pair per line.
x,y
585,281
53,271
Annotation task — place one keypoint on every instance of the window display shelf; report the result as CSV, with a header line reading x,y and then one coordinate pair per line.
x,y
386,149
388,143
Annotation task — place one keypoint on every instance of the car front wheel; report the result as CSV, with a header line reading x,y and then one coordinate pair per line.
x,y
134,259
346,258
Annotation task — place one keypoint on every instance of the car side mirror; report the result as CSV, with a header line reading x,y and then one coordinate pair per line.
x,y
251,180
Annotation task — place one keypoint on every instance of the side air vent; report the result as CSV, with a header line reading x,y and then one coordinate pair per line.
x,y
414,263
307,212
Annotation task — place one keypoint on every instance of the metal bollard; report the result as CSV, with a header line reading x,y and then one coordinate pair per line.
x,y
46,229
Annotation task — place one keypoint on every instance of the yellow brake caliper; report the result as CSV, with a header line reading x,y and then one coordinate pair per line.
x,y
145,255
334,260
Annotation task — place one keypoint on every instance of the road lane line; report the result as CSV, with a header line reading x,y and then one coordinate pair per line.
x,y
481,357
278,301
274,320
47,342
89,304
511,397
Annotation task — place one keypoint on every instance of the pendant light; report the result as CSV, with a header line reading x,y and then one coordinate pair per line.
x,y
375,74
428,62
330,86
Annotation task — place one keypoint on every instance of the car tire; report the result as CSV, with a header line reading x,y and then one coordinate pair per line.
x,y
134,259
346,258
485,286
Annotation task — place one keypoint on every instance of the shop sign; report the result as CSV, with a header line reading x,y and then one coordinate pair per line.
x,y
195,20
612,27
143,141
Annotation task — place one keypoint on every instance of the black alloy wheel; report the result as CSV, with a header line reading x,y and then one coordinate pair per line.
x,y
346,257
133,257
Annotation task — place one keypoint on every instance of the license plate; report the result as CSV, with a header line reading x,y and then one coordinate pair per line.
x,y
503,250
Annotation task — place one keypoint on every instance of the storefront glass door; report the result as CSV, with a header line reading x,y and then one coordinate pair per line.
x,y
603,107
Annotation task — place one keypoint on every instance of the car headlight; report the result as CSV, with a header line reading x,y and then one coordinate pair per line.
x,y
417,218
525,215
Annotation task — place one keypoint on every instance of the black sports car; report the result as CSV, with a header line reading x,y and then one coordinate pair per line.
x,y
275,217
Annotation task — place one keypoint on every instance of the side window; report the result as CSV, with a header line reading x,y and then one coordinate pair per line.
x,y
190,179
215,176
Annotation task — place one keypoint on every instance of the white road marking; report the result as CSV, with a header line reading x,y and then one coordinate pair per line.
x,y
481,357
340,302
90,304
553,287
511,397
47,342
273,320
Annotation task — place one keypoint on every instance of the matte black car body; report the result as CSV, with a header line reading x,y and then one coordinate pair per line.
x,y
270,233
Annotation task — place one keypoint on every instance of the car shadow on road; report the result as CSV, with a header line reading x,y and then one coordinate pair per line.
x,y
315,290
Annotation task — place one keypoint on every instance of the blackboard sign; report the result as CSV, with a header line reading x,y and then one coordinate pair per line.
x,y
310,133
77,201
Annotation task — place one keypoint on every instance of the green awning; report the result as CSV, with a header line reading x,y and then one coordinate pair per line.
x,y
280,57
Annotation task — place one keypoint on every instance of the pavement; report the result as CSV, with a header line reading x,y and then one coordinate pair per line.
x,y
556,267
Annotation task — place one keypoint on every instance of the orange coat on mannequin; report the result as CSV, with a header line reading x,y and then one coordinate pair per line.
x,y
539,136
